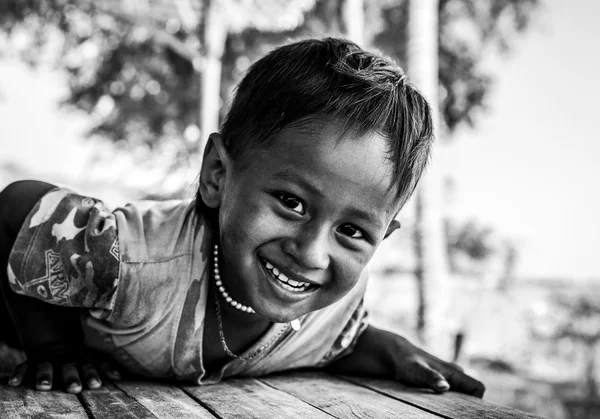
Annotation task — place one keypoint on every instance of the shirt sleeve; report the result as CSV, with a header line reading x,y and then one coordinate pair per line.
x,y
67,253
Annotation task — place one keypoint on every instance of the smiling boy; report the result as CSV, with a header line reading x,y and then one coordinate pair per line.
x,y
265,270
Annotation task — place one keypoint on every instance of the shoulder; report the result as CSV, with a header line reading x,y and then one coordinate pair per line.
x,y
156,230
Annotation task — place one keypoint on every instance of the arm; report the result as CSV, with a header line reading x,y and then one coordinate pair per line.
x,y
383,354
50,335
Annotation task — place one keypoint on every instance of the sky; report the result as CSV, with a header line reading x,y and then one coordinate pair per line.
x,y
529,169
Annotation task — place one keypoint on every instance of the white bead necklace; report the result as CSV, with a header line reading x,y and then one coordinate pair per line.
x,y
241,307
294,324
221,288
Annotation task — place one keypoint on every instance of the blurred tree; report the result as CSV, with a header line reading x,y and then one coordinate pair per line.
x,y
580,323
576,318
353,20
134,65
443,45
469,240
469,32
422,65
120,53
133,76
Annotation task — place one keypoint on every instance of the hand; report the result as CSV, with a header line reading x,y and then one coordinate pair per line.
x,y
416,367
71,367
383,354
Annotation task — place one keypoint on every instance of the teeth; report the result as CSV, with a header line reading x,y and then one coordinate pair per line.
x,y
288,284
294,289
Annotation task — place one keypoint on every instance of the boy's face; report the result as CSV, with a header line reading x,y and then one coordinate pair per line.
x,y
311,207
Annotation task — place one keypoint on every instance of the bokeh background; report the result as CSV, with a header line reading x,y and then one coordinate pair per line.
x,y
496,264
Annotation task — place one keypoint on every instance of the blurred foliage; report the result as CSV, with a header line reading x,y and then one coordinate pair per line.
x,y
129,71
136,89
132,72
470,246
470,238
469,30
578,318
574,317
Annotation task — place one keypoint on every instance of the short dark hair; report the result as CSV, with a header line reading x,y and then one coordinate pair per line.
x,y
333,79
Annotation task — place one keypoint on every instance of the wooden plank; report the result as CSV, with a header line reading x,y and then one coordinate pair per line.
x,y
21,402
450,405
109,402
249,398
343,399
163,400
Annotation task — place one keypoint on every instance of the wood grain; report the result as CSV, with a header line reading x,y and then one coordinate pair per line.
x,y
165,401
290,395
17,403
249,398
109,402
343,399
450,405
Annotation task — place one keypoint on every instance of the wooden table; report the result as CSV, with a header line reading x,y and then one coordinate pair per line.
x,y
295,395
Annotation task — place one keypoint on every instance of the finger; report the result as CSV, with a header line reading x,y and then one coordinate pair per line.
x,y
461,382
18,375
44,376
456,366
90,376
110,370
71,380
419,373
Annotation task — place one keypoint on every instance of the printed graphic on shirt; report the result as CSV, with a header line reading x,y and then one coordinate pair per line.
x,y
69,253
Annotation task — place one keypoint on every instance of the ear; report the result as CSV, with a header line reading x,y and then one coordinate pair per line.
x,y
215,164
394,225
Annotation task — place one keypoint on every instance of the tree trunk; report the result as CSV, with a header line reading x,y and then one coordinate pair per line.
x,y
213,35
590,369
432,266
353,20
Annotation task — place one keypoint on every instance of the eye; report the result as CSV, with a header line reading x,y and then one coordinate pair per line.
x,y
292,203
351,231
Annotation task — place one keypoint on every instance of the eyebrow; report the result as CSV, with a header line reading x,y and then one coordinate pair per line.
x,y
289,175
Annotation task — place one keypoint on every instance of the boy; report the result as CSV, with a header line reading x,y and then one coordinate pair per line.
x,y
263,272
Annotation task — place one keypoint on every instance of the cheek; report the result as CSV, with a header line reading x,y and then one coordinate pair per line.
x,y
246,222
347,272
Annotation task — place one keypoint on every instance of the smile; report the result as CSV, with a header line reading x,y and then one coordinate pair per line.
x,y
285,282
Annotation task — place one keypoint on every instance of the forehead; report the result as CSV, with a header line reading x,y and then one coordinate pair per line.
x,y
348,167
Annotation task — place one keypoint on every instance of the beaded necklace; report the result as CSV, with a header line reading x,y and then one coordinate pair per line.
x,y
295,324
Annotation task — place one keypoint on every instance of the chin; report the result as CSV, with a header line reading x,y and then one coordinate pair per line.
x,y
277,314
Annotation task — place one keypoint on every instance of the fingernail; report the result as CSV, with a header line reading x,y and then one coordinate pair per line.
x,y
93,383
73,388
13,381
45,382
442,385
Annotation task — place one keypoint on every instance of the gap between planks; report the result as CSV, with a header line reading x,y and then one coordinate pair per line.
x,y
449,405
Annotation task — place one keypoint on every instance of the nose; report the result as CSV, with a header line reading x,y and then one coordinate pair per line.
x,y
309,247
